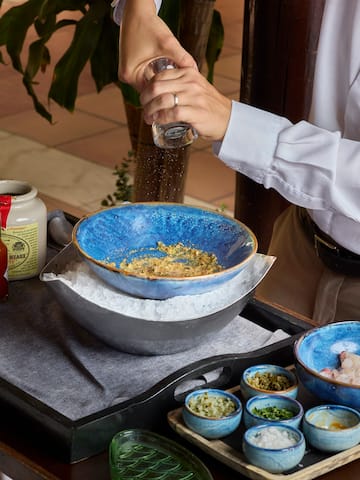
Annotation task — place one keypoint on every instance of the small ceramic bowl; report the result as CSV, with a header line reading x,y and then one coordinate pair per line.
x,y
332,428
275,448
207,412
270,409
319,350
252,378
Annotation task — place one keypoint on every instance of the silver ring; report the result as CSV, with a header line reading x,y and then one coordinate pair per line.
x,y
176,100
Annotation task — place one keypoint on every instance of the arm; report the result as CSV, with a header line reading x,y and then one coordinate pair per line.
x,y
310,166
144,36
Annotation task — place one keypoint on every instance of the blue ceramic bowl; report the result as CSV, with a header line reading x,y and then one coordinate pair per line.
x,y
332,428
212,426
271,403
248,390
319,348
107,237
274,460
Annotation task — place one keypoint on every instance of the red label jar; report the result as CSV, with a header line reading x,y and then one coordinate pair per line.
x,y
4,288
24,228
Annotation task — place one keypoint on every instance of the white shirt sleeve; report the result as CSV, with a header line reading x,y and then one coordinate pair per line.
x,y
118,6
310,166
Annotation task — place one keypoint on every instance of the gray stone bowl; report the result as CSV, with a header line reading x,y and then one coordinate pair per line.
x,y
166,334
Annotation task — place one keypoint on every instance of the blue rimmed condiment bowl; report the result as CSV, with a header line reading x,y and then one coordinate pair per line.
x,y
212,413
270,409
332,428
275,448
267,379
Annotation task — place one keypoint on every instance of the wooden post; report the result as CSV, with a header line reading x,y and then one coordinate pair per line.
x,y
279,49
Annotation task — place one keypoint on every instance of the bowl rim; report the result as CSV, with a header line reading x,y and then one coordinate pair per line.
x,y
316,373
285,398
253,241
215,392
250,431
290,374
329,406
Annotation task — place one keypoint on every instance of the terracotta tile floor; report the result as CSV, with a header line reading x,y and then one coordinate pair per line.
x,y
81,149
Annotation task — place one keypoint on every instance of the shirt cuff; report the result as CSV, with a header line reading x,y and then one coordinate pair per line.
x,y
250,140
118,6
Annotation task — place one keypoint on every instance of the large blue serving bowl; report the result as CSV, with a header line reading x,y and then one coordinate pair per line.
x,y
319,348
108,236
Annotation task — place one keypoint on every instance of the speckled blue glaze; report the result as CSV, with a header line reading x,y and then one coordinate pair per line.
x,y
212,428
112,234
279,401
319,423
272,459
319,348
249,391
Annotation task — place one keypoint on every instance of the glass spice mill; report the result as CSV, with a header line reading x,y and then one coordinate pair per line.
x,y
174,134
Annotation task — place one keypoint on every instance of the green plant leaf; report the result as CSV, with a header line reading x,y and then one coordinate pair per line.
x,y
170,13
45,26
215,44
39,107
58,6
18,19
63,89
105,59
38,57
129,94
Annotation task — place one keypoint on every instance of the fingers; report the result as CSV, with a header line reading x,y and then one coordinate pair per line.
x,y
155,40
185,95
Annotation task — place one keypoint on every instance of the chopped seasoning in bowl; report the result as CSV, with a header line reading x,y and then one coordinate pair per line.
x,y
270,409
175,260
212,413
273,413
215,406
268,379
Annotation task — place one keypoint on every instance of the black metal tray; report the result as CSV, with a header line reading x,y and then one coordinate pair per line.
x,y
71,441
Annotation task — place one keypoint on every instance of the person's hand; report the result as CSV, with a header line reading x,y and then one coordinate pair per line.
x,y
198,102
144,37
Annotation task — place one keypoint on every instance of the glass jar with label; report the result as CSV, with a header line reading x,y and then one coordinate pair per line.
x,y
4,288
24,228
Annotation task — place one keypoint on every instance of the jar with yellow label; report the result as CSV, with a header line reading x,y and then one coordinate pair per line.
x,y
24,228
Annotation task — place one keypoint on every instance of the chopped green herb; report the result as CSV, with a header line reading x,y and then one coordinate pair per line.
x,y
273,413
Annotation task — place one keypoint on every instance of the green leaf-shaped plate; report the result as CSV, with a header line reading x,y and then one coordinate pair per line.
x,y
139,454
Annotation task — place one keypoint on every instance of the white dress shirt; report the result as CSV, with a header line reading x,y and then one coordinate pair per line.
x,y
313,164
